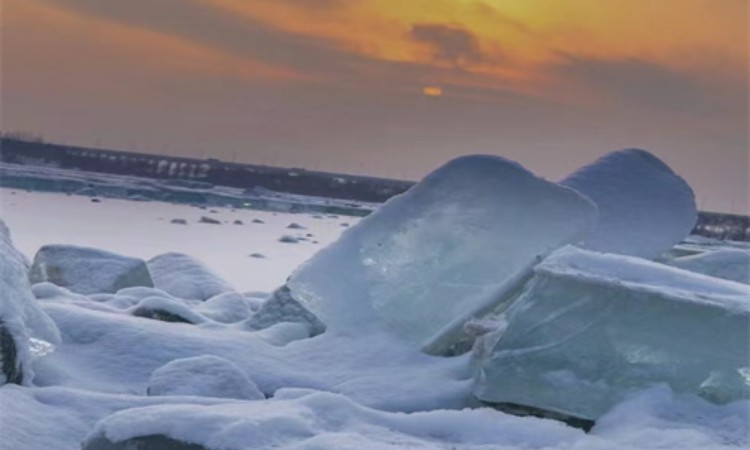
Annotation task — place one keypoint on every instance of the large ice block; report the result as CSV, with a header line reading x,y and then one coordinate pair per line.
x,y
644,207
447,249
591,326
728,263
21,319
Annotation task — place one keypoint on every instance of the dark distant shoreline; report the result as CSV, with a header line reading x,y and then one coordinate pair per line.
x,y
213,171
289,180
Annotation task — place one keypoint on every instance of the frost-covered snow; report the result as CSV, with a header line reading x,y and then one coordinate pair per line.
x,y
342,389
590,327
430,258
203,376
644,207
142,230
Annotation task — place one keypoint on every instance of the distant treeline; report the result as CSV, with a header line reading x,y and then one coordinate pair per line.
x,y
18,150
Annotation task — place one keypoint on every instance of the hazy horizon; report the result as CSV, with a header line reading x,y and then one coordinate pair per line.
x,y
389,88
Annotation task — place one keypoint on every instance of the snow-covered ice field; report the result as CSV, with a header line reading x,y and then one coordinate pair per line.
x,y
253,370
144,230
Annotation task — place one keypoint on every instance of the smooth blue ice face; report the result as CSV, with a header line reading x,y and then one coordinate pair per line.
x,y
441,250
644,207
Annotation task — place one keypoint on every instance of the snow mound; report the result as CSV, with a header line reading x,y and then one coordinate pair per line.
x,y
323,421
88,270
141,292
203,376
644,207
21,319
229,307
590,327
449,248
282,307
729,264
185,277
283,333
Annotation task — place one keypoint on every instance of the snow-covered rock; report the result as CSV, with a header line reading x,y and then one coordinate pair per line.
x,y
450,248
166,310
729,264
21,319
644,207
185,277
289,239
590,327
88,270
211,220
203,376
283,307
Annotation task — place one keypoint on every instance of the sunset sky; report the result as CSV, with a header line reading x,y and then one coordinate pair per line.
x,y
390,87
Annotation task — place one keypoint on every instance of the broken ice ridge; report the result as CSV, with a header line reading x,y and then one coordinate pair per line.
x,y
590,327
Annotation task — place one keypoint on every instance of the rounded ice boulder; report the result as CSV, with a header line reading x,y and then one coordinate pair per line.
x,y
185,277
85,270
644,207
203,376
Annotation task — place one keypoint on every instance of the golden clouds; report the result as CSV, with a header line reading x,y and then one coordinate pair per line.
x,y
516,45
524,47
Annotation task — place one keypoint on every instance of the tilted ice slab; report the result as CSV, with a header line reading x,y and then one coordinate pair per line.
x,y
644,207
729,264
591,326
447,249
21,319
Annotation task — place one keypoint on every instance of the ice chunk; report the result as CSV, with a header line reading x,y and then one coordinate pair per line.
x,y
447,249
185,277
21,319
282,307
203,376
644,207
591,326
729,264
88,270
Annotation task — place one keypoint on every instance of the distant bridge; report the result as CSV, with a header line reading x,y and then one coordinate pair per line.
x,y
213,171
